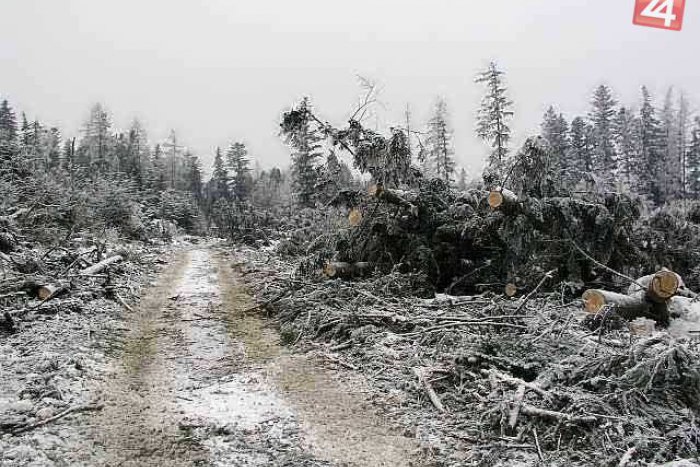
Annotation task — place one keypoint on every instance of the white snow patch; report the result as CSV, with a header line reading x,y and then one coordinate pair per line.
x,y
243,402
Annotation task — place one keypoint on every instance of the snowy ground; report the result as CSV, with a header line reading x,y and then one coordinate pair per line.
x,y
186,379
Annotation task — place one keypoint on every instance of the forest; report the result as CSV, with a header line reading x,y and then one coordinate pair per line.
x,y
541,312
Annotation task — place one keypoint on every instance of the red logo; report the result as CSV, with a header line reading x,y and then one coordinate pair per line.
x,y
664,14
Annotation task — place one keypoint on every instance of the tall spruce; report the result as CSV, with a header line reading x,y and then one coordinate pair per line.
x,y
693,161
239,164
306,144
555,129
650,169
493,120
579,158
220,177
602,118
8,136
671,173
439,143
627,133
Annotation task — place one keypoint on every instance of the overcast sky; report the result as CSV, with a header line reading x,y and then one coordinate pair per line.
x,y
222,70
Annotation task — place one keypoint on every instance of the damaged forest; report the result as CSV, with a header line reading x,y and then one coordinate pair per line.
x,y
543,311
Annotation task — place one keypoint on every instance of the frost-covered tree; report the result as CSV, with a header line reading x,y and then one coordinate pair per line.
x,y
579,158
602,118
137,152
53,148
672,171
693,161
8,135
627,133
305,141
493,118
220,177
96,144
238,163
439,143
555,129
650,169
682,140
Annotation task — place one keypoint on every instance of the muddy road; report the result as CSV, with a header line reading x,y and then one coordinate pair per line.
x,y
193,380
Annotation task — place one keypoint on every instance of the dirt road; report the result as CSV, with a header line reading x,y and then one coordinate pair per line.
x,y
196,381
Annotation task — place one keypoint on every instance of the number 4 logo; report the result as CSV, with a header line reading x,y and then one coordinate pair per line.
x,y
664,14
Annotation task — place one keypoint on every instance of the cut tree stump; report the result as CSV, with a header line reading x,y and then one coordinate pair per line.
x,y
501,197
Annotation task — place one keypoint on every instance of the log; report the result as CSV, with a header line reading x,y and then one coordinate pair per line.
x,y
335,270
595,300
432,395
404,199
99,267
500,197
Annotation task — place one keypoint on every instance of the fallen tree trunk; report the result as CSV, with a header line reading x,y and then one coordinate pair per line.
x,y
339,270
48,291
404,199
595,300
501,197
99,267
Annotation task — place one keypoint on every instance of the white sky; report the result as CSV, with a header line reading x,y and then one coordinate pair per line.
x,y
217,70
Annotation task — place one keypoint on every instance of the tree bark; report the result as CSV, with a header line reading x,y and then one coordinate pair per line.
x,y
404,199
99,267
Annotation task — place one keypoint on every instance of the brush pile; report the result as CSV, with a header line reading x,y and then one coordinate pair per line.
x,y
489,380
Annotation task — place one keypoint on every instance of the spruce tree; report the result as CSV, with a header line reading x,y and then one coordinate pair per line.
x,y
54,148
8,136
439,143
306,144
220,177
627,134
555,129
238,163
671,171
462,180
602,116
650,169
693,162
579,158
97,142
492,120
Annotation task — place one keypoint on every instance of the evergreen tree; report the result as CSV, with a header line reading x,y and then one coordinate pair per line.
x,y
237,158
683,129
54,148
579,158
493,118
555,129
306,144
220,177
439,143
627,134
96,144
602,118
671,172
693,159
650,169
137,152
155,178
8,136
194,176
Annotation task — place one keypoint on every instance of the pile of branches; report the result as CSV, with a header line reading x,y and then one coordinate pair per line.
x,y
516,380
45,279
